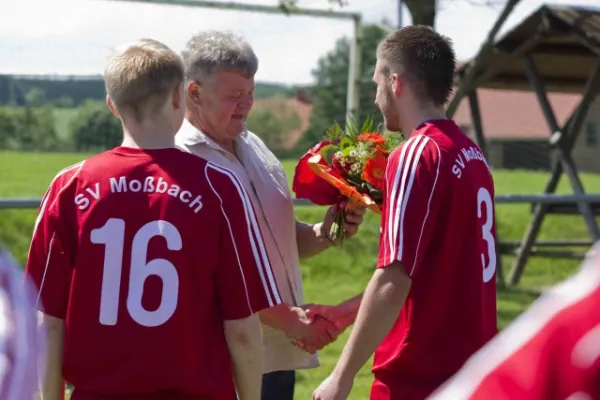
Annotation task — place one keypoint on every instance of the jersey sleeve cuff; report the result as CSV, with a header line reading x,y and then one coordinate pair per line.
x,y
53,312
384,262
256,308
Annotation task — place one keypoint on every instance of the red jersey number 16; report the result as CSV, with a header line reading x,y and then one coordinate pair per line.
x,y
112,236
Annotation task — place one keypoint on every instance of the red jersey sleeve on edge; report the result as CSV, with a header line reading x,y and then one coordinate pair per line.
x,y
550,351
245,281
48,264
412,176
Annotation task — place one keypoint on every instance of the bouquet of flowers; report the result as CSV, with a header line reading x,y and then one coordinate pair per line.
x,y
348,164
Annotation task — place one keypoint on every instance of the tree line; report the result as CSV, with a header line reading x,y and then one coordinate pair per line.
x,y
34,128
38,122
93,128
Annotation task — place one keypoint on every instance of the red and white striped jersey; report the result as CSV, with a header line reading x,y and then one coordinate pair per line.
x,y
21,340
438,220
145,254
551,352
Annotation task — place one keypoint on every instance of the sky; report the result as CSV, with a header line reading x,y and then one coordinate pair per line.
x,y
73,37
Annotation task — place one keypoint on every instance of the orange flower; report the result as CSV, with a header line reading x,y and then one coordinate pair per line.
x,y
372,137
374,171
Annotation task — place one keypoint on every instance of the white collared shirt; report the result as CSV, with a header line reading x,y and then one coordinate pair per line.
x,y
265,180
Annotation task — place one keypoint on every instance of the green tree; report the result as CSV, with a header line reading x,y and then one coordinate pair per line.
x,y
272,125
331,76
64,102
35,97
28,129
95,128
8,128
35,129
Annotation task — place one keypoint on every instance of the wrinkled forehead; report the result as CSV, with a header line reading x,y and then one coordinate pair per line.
x,y
232,78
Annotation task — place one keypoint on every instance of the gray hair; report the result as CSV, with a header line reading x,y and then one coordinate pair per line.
x,y
212,51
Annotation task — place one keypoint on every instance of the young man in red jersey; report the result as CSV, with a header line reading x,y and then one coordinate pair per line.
x,y
551,352
150,277
431,303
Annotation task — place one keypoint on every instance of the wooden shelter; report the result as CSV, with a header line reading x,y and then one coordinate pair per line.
x,y
556,48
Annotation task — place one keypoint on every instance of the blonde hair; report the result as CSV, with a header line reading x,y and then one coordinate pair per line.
x,y
140,77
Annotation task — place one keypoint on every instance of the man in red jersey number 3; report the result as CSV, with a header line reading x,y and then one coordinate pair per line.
x,y
431,303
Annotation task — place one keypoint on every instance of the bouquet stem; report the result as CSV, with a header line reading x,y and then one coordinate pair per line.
x,y
338,232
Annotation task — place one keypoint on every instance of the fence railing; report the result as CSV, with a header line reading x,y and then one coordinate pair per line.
x,y
506,247
24,203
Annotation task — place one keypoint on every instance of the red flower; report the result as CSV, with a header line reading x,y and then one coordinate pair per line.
x,y
374,171
372,137
308,185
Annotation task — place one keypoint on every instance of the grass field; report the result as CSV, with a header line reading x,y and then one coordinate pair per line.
x,y
338,273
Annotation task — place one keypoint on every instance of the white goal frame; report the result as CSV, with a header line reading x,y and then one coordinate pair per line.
x,y
354,64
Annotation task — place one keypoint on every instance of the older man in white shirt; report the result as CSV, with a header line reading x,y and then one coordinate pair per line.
x,y
220,69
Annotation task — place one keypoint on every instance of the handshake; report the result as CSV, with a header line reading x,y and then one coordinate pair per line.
x,y
318,325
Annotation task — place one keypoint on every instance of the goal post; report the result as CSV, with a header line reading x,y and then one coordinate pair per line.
x,y
354,62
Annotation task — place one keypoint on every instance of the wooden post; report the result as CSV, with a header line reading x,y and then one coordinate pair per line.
x,y
476,118
354,73
484,51
354,64
565,139
247,6
480,139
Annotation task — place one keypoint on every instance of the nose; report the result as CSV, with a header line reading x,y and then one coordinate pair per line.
x,y
246,103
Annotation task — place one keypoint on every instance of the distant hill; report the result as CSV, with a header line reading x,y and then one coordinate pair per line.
x,y
269,90
69,91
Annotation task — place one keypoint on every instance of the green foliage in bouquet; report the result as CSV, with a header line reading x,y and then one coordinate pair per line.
x,y
354,153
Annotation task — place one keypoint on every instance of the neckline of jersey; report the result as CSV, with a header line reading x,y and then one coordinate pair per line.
x,y
431,121
135,151
420,129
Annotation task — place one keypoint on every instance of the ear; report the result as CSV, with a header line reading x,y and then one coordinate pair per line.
x,y
112,107
397,85
193,90
178,99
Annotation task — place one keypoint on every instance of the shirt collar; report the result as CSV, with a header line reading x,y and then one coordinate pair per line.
x,y
191,135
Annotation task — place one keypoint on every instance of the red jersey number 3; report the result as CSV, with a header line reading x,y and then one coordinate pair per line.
x,y
485,212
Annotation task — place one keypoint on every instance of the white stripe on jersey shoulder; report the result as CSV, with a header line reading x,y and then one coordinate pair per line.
x,y
69,168
76,167
393,193
402,190
254,235
237,255
224,170
433,187
253,224
523,329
